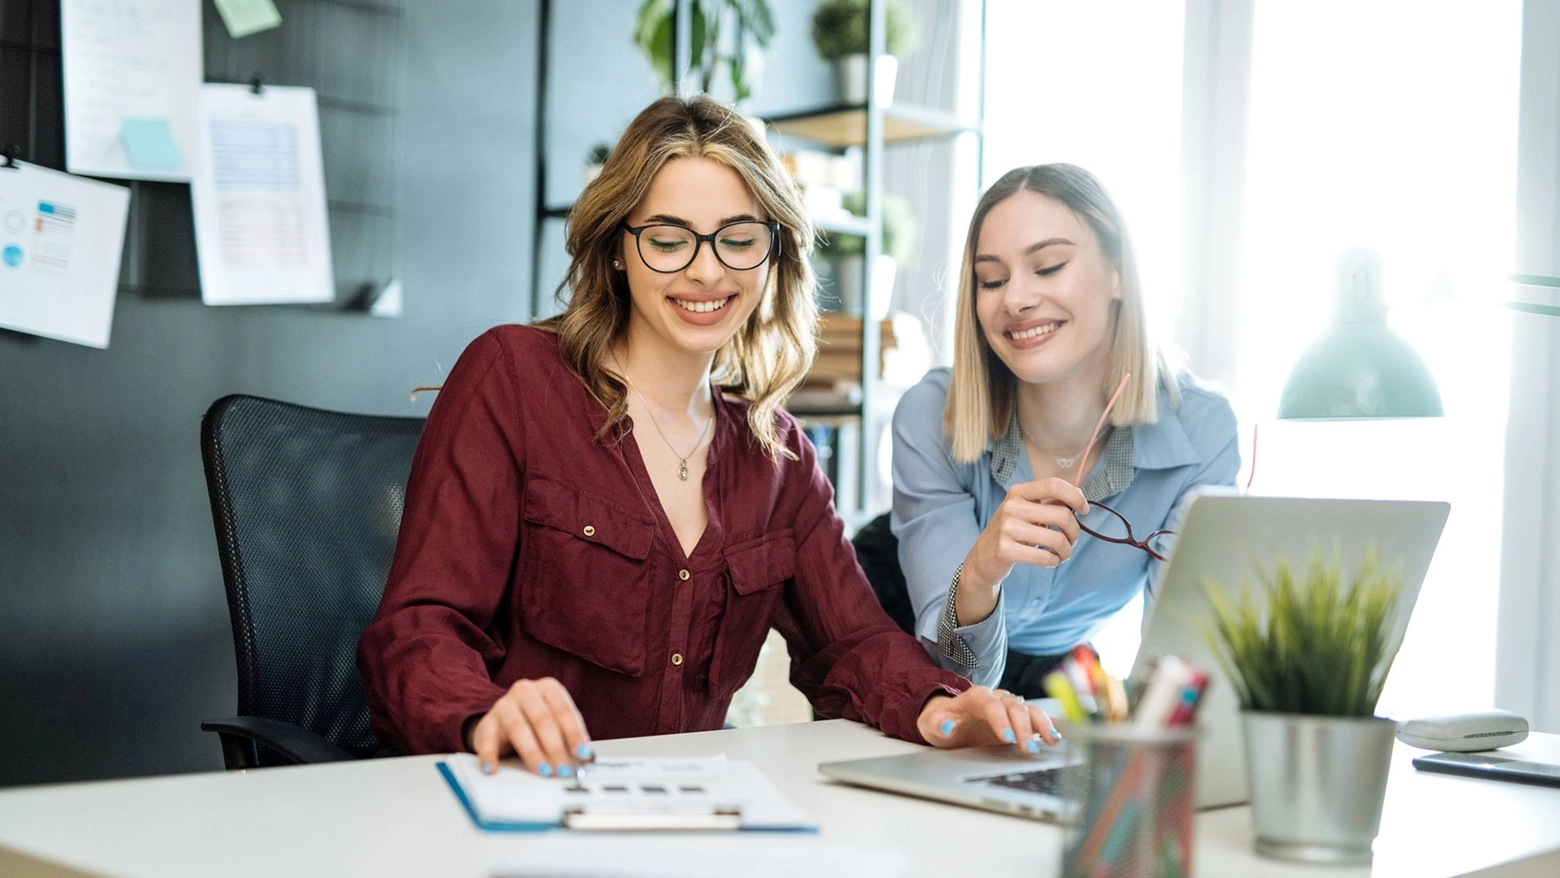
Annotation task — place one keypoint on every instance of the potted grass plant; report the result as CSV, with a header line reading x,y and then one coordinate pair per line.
x,y
595,160
844,254
1307,655
840,35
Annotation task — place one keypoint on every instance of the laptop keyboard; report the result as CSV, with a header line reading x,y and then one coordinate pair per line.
x,y
1042,780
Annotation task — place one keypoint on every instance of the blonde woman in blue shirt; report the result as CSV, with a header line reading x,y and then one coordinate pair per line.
x,y
994,535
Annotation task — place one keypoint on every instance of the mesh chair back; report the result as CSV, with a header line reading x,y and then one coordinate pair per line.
x,y
307,504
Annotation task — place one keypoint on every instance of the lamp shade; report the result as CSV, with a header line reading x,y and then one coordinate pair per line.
x,y
1359,367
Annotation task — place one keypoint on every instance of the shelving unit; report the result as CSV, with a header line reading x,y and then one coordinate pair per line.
x,y
872,127
846,125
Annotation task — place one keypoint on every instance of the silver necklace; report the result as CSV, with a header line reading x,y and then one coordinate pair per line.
x,y
682,459
1063,462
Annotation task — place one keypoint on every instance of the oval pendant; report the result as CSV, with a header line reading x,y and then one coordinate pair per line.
x,y
682,470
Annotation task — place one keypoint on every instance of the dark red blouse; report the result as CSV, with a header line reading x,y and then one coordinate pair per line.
x,y
530,548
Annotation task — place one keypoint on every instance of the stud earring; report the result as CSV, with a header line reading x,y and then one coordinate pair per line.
x,y
617,265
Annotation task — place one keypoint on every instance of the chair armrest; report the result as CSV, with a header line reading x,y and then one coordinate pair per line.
x,y
240,734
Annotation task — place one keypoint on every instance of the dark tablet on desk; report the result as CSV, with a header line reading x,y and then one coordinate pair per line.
x,y
1491,766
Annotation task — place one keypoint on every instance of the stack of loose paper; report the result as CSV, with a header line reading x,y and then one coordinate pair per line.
x,y
514,799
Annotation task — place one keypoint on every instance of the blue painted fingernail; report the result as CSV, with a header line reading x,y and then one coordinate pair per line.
x,y
564,770
584,752
1058,736
544,770
947,726
1008,736
1032,745
487,768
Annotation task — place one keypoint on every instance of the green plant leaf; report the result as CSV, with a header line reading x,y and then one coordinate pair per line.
x,y
1308,644
739,83
756,20
653,35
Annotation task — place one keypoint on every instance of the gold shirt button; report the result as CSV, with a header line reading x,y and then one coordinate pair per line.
x,y
676,658
683,574
590,530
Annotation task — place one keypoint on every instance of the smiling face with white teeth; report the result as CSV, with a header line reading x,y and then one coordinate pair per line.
x,y
698,309
1044,291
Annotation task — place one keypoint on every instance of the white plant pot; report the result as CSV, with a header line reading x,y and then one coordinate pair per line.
x,y
847,286
1317,783
884,270
851,74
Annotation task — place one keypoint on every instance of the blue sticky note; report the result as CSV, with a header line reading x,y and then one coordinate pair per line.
x,y
149,144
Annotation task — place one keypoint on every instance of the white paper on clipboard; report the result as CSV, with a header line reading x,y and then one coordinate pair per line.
x,y
60,242
132,74
262,233
512,799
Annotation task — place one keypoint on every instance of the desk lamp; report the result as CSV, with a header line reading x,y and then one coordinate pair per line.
x,y
1359,367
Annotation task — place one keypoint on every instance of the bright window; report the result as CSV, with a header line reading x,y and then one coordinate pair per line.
x,y
1098,85
1391,126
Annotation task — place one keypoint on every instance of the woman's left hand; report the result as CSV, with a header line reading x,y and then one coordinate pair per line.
x,y
981,716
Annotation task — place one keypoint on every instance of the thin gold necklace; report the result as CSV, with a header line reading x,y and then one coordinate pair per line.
x,y
682,459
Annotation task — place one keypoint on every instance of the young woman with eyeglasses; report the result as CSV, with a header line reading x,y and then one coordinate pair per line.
x,y
608,511
1004,465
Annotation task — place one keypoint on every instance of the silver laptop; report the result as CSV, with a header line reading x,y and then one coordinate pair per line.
x,y
1223,538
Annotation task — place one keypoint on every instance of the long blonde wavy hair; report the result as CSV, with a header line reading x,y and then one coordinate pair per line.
x,y
772,351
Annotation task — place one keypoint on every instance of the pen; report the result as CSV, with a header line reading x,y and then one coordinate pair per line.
x,y
1162,692
1185,709
1059,687
1115,699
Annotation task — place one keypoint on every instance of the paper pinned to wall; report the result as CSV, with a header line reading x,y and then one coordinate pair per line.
x,y
245,17
132,86
60,242
262,234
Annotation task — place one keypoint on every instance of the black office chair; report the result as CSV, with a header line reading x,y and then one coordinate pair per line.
x,y
877,551
307,504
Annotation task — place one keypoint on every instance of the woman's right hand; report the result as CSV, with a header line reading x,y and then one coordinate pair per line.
x,y
1035,524
537,720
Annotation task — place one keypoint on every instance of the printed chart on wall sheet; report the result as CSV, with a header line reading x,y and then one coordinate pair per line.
x,y
261,229
132,87
60,240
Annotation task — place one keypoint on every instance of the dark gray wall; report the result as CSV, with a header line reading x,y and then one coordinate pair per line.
x,y
114,639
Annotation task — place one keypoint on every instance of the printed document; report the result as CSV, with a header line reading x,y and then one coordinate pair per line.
x,y
262,234
623,790
60,241
132,87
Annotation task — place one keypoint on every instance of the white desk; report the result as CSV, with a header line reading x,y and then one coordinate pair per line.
x,y
396,817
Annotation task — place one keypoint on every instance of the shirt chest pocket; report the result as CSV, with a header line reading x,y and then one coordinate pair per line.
x,y
755,572
584,578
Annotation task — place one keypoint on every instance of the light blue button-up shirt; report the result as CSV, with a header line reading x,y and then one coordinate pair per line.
x,y
941,506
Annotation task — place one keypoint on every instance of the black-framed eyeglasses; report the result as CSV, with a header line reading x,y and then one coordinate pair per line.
x,y
1115,528
741,246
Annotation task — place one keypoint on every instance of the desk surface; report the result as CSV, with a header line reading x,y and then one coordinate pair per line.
x,y
396,817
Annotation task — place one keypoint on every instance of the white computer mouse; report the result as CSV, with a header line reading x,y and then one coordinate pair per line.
x,y
1482,730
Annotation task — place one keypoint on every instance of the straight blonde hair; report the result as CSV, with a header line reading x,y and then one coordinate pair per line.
x,y
772,352
983,391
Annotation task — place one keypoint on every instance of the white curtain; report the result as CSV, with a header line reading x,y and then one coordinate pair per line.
x,y
1216,88
1527,677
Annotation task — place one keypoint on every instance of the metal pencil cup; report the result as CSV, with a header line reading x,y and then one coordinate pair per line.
x,y
1131,803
